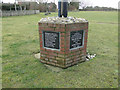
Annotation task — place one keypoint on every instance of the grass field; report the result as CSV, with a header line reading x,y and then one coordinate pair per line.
x,y
21,41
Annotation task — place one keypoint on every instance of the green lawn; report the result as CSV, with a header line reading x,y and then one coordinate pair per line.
x,y
21,41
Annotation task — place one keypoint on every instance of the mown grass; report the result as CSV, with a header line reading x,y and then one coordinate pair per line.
x,y
21,41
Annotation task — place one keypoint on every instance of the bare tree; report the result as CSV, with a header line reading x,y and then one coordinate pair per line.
x,y
84,4
42,1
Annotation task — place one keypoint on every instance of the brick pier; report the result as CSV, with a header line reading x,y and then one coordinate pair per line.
x,y
64,56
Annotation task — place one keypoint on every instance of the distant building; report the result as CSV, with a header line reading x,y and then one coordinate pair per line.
x,y
28,5
43,7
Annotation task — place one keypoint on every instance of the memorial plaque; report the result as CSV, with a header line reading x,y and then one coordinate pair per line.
x,y
76,39
51,39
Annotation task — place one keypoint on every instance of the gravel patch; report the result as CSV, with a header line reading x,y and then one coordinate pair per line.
x,y
62,20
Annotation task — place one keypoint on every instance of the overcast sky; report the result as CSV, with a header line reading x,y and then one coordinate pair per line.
x,y
105,3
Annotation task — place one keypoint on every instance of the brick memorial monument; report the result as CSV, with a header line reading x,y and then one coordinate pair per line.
x,y
63,40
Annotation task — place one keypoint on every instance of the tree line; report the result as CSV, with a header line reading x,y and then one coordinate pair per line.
x,y
43,7
97,8
52,7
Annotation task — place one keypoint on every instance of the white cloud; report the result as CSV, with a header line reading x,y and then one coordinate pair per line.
x,y
105,3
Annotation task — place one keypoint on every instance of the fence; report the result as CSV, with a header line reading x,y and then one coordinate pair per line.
x,y
18,13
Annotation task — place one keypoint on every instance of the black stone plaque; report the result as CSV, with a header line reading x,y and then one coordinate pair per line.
x,y
51,39
76,39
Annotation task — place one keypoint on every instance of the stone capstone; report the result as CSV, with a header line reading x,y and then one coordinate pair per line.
x,y
62,20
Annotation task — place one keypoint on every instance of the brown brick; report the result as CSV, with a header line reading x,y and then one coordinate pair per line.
x,y
61,62
67,55
62,45
59,29
54,61
68,62
62,49
49,50
50,24
42,55
74,63
51,60
62,41
41,44
78,59
68,65
61,53
40,39
62,25
50,29
43,61
77,56
63,34
42,49
51,63
46,59
56,51
57,65
44,52
68,59
52,54
57,58
40,31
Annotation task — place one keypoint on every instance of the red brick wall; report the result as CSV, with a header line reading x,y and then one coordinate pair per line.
x,y
65,57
